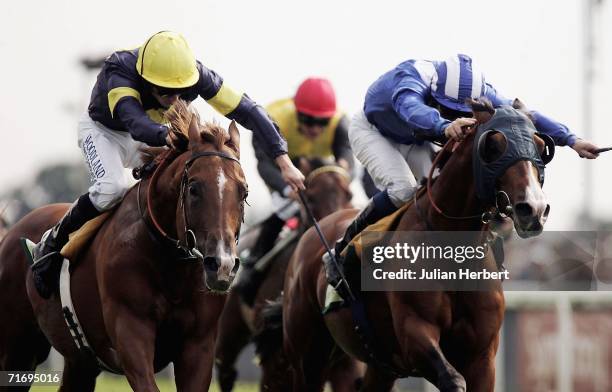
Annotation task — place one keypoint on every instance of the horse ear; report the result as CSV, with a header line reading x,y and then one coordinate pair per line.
x,y
194,131
234,140
304,165
482,109
519,105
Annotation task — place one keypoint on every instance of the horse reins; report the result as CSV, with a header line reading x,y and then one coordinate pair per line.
x,y
190,248
485,216
325,243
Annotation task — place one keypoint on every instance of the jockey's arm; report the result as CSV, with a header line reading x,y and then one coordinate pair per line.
x,y
268,170
244,110
250,115
341,146
559,132
409,98
139,124
124,103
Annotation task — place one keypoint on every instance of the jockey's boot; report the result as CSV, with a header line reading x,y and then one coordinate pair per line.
x,y
252,275
45,255
377,208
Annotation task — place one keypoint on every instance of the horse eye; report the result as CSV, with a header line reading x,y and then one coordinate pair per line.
x,y
194,189
492,146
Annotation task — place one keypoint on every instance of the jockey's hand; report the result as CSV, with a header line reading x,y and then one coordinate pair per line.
x,y
585,149
291,174
457,129
293,195
343,164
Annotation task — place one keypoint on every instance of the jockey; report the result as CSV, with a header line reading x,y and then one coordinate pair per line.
x,y
313,128
417,99
125,113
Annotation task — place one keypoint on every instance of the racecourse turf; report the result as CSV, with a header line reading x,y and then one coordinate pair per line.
x,y
108,383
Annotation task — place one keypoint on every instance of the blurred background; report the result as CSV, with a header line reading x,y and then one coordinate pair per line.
x,y
553,55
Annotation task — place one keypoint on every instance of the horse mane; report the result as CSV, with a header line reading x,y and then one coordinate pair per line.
x,y
180,117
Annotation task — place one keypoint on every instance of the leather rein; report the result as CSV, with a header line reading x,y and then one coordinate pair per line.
x,y
188,251
485,217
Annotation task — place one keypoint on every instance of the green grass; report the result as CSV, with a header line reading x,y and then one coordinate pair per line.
x,y
108,383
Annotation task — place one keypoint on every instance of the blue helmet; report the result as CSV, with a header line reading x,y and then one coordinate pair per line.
x,y
457,80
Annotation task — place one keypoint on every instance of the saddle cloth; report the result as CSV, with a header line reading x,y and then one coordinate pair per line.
x,y
80,238
388,223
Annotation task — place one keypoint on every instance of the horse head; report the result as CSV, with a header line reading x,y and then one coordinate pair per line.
x,y
212,193
327,186
508,165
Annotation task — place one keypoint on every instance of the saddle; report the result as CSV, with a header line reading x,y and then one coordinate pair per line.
x,y
336,295
78,240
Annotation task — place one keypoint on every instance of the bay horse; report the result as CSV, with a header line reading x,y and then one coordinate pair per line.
x,y
140,301
449,338
327,191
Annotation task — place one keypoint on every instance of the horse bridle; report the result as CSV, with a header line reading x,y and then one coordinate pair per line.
x,y
327,169
504,210
189,251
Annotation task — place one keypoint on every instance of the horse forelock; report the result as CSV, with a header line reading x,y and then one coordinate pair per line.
x,y
216,136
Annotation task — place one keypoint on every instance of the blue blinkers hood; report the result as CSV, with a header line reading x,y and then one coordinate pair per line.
x,y
518,131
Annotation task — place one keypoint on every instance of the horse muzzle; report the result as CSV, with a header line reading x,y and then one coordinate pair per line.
x,y
529,218
219,272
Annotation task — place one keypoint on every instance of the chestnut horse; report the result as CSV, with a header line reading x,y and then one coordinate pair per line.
x,y
449,338
327,191
141,303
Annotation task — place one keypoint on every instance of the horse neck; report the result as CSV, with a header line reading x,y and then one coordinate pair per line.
x,y
165,196
454,193
335,203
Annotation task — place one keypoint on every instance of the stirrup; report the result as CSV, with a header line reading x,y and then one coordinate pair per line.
x,y
332,273
45,270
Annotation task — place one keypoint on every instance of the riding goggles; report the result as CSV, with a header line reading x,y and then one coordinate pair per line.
x,y
313,121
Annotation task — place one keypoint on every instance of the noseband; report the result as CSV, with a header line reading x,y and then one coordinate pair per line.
x,y
328,169
189,251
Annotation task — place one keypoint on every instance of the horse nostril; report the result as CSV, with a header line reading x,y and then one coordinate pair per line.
x,y
546,211
523,209
212,263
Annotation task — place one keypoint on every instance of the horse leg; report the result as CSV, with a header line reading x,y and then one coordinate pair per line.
x,y
312,360
23,352
79,375
193,368
376,380
479,372
440,372
135,342
234,335
274,374
345,375
419,345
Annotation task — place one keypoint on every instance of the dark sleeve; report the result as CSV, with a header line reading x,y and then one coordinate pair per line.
x,y
138,124
125,105
254,117
241,108
268,171
559,132
341,145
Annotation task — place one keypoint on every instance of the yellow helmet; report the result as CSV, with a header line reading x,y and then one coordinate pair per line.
x,y
166,60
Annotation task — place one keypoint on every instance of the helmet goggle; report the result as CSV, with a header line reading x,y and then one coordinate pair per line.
x,y
311,121
169,92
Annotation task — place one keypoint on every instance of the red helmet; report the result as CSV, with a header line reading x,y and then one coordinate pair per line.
x,y
316,97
